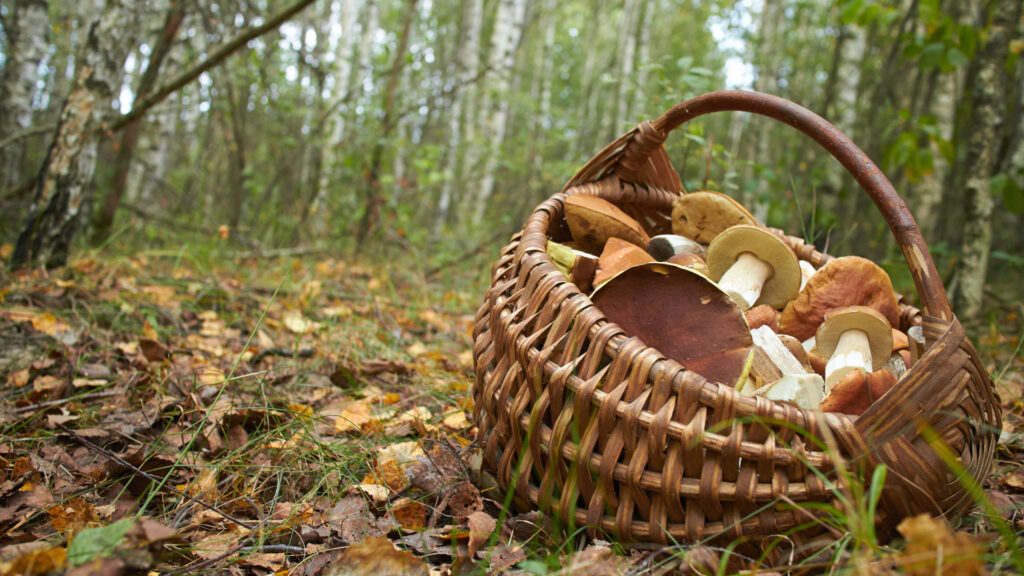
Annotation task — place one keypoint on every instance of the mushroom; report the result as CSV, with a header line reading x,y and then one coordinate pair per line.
x,y
665,246
858,390
853,338
578,266
763,315
592,221
704,215
846,281
682,314
617,256
754,267
691,261
793,383
806,271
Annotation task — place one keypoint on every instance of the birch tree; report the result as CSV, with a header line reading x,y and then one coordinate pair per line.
x,y
988,104
467,66
61,187
343,18
508,29
26,27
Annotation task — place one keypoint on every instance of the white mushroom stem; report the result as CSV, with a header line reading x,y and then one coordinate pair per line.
x,y
745,278
853,352
806,271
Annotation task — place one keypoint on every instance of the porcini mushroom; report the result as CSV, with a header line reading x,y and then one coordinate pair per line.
x,y
691,261
592,221
682,314
794,384
578,266
853,338
858,390
754,267
665,246
616,257
846,281
704,215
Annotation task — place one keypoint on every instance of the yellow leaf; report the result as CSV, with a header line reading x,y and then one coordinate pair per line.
x,y
297,323
6,249
931,544
210,376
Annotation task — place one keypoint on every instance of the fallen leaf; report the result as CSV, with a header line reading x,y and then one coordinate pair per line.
x,y
481,526
297,323
931,544
409,514
376,556
37,562
153,350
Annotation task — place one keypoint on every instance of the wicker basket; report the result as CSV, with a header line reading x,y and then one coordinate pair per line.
x,y
590,425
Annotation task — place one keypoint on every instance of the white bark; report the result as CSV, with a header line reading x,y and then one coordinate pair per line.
x,y
644,58
63,182
466,69
627,52
27,29
508,30
343,17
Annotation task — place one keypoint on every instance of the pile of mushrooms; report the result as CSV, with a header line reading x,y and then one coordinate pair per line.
x,y
730,301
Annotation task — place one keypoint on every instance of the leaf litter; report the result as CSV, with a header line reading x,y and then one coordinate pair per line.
x,y
192,419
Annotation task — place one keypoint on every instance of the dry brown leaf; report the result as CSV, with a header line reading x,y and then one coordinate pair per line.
x,y
376,556
409,514
35,562
350,519
931,543
481,526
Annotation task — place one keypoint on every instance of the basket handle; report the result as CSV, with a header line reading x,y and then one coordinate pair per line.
x,y
901,222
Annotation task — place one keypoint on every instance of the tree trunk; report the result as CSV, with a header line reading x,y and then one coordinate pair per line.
x,y
626,53
507,33
372,197
341,92
27,25
987,98
130,137
62,185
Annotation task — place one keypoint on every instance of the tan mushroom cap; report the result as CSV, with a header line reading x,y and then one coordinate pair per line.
x,y
862,318
846,281
704,215
784,283
592,221
617,256
683,315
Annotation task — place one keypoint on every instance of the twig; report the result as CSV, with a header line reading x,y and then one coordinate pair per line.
x,y
49,403
149,476
284,352
25,134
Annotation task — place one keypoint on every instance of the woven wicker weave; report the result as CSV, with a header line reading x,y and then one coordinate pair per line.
x,y
591,425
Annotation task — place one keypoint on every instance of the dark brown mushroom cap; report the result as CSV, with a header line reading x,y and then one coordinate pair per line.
x,y
683,315
704,215
592,221
846,281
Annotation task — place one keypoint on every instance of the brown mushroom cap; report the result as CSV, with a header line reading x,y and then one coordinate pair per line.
x,y
854,393
704,215
863,318
846,281
617,256
784,283
592,221
683,315
763,315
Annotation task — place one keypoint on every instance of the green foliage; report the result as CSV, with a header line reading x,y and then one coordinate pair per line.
x,y
97,542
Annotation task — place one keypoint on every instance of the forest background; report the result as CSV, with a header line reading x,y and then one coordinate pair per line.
x,y
417,135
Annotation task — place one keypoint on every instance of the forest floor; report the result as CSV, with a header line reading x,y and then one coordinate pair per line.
x,y
241,415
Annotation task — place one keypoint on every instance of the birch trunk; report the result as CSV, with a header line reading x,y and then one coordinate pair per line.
x,y
466,69
62,185
345,18
130,137
466,169
627,51
27,28
508,31
987,98
643,50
